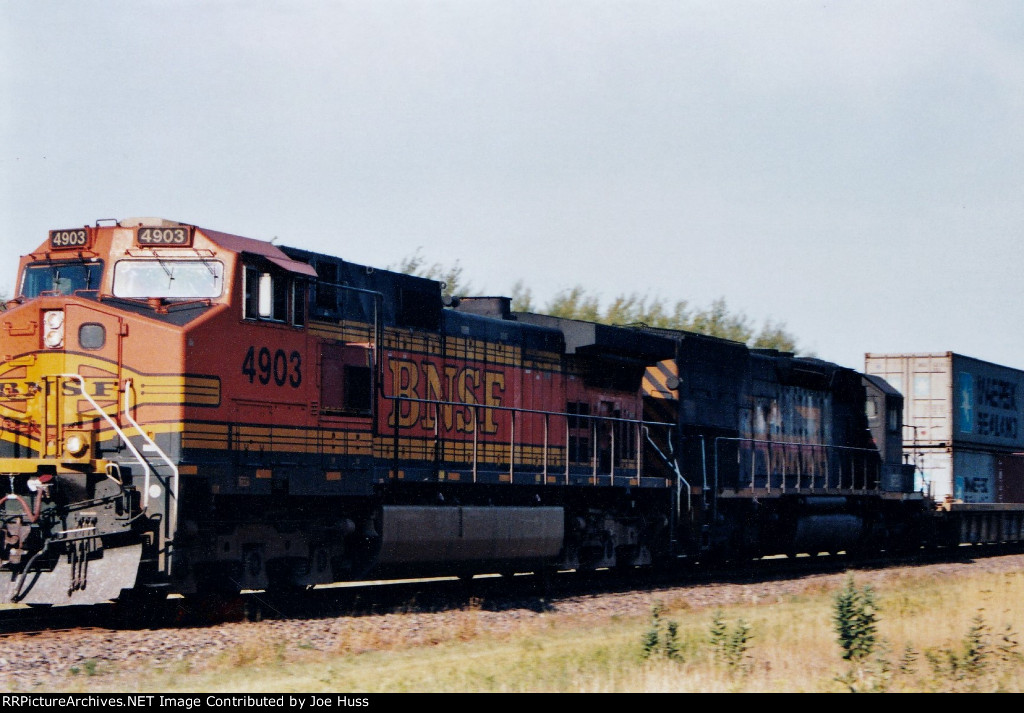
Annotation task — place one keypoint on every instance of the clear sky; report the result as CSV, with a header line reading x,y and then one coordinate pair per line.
x,y
852,169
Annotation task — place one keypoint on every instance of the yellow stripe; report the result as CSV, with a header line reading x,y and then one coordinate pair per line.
x,y
188,390
293,440
430,344
149,389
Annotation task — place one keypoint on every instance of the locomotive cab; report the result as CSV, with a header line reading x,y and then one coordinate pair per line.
x,y
113,327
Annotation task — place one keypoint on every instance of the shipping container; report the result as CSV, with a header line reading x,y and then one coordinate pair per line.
x,y
962,423
1010,483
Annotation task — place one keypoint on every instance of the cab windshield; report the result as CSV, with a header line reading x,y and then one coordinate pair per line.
x,y
60,278
174,279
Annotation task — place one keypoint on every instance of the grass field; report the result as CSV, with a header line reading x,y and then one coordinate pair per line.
x,y
922,635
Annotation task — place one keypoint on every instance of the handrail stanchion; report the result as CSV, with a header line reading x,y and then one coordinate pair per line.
x,y
118,430
173,516
512,448
476,442
544,465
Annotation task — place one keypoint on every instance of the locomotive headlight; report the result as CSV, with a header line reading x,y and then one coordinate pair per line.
x,y
54,338
53,324
54,319
76,445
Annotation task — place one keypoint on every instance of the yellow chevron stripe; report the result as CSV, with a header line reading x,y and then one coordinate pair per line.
x,y
657,379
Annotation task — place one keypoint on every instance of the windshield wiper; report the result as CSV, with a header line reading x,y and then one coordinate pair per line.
x,y
170,274
209,265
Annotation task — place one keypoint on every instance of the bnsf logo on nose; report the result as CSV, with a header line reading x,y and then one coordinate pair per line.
x,y
22,389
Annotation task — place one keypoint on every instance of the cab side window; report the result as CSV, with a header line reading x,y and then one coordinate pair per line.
x,y
273,296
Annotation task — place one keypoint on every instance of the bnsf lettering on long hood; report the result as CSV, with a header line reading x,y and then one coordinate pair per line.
x,y
425,380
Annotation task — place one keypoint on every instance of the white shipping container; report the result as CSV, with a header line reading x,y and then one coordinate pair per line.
x,y
951,400
961,415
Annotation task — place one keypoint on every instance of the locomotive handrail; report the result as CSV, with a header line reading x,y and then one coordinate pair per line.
x,y
173,515
801,448
704,476
119,431
440,402
680,480
474,407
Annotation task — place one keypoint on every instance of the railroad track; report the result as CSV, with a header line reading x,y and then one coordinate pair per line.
x,y
491,592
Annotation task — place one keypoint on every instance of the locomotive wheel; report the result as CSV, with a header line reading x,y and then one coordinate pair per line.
x,y
218,585
141,606
544,578
142,596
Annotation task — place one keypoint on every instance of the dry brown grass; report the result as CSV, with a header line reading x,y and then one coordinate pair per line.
x,y
924,628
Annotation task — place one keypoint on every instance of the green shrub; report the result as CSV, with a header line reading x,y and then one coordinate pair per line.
x,y
856,621
662,638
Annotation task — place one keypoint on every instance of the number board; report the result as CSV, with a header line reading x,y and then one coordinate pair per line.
x,y
74,239
176,237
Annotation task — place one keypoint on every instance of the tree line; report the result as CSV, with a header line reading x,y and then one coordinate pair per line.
x,y
716,320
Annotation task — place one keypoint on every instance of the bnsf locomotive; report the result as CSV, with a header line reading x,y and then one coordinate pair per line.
x,y
189,411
